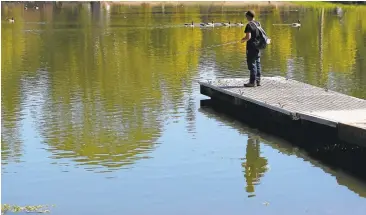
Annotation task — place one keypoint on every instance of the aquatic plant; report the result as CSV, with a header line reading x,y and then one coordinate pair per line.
x,y
28,209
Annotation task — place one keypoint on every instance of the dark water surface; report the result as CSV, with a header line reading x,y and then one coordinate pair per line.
x,y
100,110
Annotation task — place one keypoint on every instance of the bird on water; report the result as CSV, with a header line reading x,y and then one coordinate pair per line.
x,y
240,24
296,24
189,24
208,24
227,24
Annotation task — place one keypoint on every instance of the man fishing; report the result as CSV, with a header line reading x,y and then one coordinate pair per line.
x,y
253,53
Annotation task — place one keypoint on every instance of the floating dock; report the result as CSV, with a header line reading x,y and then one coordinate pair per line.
x,y
300,112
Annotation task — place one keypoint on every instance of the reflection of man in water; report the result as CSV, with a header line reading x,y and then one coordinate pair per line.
x,y
254,166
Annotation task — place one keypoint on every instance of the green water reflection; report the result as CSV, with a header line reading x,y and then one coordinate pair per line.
x,y
101,84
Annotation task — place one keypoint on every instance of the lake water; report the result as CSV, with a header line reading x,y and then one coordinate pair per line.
x,y
100,110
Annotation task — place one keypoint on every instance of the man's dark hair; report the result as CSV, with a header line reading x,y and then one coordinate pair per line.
x,y
250,13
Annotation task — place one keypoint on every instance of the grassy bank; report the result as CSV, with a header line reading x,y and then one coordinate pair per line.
x,y
325,4
221,3
237,3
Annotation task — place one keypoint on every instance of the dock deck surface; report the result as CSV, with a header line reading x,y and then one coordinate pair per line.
x,y
297,98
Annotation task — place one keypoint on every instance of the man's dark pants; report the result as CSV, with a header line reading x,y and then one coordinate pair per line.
x,y
254,65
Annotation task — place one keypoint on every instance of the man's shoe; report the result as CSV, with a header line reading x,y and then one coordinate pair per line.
x,y
258,83
249,85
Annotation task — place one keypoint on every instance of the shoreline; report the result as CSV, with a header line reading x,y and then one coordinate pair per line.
x,y
216,3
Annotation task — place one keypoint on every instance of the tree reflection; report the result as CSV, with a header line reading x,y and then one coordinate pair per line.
x,y
107,91
13,46
110,84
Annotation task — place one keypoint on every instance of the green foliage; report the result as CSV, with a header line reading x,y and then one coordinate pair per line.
x,y
325,4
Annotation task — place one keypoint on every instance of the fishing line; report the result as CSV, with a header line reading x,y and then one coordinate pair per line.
x,y
205,48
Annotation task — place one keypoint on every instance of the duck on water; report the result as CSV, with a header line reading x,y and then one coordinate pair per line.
x,y
212,24
240,24
208,24
201,24
296,24
189,24
226,24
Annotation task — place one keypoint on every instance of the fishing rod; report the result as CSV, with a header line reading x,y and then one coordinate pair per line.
x,y
206,48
